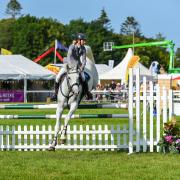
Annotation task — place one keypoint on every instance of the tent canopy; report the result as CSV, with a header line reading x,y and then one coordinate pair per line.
x,y
119,72
102,68
19,67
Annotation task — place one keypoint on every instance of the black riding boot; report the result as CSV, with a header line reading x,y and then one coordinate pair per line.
x,y
86,90
54,97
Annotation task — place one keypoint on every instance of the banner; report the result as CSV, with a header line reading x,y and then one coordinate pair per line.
x,y
5,52
11,96
131,64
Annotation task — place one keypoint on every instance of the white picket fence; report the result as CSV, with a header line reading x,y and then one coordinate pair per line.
x,y
143,132
78,137
138,120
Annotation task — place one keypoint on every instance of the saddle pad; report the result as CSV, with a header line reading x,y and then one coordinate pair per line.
x,y
87,77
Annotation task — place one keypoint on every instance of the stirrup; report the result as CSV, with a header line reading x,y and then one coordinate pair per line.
x,y
54,97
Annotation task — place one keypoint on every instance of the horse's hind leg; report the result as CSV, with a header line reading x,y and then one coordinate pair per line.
x,y
73,107
59,112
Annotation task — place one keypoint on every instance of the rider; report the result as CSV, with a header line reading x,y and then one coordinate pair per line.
x,y
76,56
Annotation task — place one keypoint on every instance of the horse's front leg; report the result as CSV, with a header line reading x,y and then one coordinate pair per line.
x,y
73,107
59,111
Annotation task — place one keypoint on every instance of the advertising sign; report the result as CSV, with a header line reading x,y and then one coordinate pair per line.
x,y
11,96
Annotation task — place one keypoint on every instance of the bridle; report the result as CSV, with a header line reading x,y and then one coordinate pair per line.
x,y
69,85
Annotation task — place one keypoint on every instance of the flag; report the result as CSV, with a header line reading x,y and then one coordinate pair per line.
x,y
131,64
60,46
5,52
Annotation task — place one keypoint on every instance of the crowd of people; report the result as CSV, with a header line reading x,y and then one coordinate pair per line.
x,y
112,91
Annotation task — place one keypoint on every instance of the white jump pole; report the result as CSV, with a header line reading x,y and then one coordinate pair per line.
x,y
130,104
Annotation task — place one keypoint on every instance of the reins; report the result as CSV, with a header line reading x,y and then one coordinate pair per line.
x,y
70,87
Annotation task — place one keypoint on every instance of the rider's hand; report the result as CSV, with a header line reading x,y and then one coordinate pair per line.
x,y
81,68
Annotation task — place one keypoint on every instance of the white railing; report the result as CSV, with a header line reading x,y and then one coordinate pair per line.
x,y
87,137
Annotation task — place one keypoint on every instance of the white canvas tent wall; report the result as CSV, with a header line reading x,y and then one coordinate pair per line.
x,y
102,68
119,72
17,67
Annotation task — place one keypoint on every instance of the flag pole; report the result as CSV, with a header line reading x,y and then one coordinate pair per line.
x,y
55,51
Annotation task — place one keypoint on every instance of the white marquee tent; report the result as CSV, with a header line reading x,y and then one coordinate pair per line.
x,y
18,67
102,68
119,72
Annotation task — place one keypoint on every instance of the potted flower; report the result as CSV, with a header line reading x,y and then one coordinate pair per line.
x,y
170,141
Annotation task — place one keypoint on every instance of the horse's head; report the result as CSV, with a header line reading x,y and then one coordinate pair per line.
x,y
73,79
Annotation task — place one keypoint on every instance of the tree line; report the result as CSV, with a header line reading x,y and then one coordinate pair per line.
x,y
31,36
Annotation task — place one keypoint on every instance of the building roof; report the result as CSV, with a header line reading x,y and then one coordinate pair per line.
x,y
20,67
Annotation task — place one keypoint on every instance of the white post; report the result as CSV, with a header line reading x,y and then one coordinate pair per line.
x,y
81,136
31,137
144,115
43,136
87,136
13,137
100,136
37,138
158,111
137,110
55,47
19,137
106,136
151,117
25,89
94,136
112,136
75,136
170,103
25,138
130,111
7,137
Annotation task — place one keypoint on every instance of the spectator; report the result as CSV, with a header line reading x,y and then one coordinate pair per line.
x,y
113,85
118,87
98,95
106,88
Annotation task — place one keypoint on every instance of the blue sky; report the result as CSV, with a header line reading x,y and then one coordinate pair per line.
x,y
154,16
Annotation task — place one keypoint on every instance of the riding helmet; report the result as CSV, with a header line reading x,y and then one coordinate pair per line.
x,y
81,36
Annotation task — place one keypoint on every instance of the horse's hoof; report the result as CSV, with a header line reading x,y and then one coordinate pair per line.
x,y
63,141
51,148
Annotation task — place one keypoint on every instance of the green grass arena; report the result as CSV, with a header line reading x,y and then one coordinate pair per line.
x,y
63,164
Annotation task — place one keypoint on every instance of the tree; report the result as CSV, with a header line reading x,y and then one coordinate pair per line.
x,y
129,26
177,58
104,20
160,37
33,36
6,31
13,8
